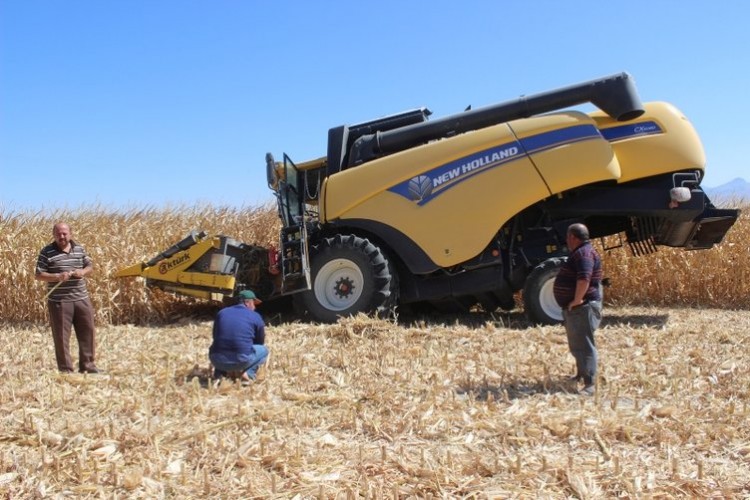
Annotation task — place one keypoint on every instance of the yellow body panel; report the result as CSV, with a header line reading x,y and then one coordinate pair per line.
x,y
473,183
191,292
574,158
225,281
172,269
660,141
310,164
349,188
130,271
456,228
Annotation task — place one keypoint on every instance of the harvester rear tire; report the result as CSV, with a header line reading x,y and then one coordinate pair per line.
x,y
538,300
349,275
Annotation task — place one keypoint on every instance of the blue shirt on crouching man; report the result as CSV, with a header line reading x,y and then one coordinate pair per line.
x,y
238,339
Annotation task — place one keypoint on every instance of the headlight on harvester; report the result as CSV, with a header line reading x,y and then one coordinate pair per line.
x,y
679,194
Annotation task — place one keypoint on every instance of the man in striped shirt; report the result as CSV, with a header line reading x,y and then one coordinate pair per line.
x,y
63,264
576,291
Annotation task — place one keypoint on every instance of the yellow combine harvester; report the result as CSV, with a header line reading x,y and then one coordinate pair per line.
x,y
465,209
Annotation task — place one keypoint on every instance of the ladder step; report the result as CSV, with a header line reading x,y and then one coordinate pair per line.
x,y
294,262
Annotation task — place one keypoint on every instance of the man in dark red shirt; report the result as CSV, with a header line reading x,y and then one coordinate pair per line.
x,y
577,292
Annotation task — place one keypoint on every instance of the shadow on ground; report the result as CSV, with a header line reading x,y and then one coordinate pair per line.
x,y
516,389
635,320
280,312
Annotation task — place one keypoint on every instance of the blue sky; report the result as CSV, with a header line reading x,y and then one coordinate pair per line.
x,y
145,103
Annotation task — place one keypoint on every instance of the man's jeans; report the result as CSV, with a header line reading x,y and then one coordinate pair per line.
x,y
580,324
250,367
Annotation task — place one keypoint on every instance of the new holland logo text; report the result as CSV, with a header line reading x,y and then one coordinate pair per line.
x,y
474,164
423,187
166,266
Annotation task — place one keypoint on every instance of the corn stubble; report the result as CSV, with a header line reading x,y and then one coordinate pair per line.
x,y
444,406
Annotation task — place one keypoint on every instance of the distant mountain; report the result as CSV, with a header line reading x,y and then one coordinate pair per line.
x,y
735,189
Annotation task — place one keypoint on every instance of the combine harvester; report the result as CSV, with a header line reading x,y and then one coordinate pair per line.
x,y
463,210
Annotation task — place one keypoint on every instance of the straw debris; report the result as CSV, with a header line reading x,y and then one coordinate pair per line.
x,y
444,410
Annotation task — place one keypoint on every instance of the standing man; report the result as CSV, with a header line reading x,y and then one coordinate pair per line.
x,y
576,290
239,335
63,264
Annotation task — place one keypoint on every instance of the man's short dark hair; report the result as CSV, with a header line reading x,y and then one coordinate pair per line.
x,y
579,231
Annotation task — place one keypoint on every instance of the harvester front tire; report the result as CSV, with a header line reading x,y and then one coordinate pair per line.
x,y
538,300
349,275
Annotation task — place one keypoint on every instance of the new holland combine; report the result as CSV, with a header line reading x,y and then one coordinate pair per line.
x,y
463,210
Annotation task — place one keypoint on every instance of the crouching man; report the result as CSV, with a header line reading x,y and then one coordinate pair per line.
x,y
239,334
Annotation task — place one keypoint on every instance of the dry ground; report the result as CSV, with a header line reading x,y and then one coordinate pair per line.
x,y
473,407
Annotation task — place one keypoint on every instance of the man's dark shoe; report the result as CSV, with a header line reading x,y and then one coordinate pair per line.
x,y
93,371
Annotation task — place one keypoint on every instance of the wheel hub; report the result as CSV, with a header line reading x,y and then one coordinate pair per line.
x,y
343,287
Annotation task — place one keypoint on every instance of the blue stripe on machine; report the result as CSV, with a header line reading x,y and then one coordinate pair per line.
x,y
548,140
629,130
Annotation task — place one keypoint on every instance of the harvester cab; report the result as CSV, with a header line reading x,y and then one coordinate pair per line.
x,y
296,197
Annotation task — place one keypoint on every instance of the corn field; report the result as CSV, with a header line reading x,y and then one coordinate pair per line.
x,y
718,278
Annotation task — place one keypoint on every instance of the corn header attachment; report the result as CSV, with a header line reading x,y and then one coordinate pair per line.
x,y
213,268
